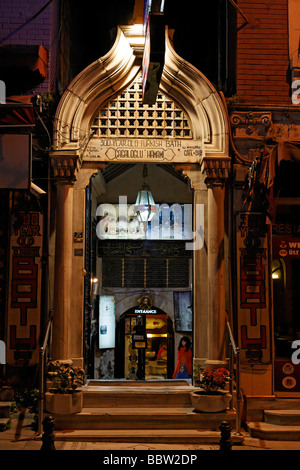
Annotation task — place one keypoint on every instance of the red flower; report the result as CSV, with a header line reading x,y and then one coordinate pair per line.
x,y
214,379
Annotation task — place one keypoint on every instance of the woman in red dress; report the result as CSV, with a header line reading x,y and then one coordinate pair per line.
x,y
184,357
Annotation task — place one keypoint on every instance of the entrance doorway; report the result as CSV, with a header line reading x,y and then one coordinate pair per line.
x,y
156,356
125,266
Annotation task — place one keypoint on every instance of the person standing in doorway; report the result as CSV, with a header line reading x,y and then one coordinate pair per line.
x,y
184,358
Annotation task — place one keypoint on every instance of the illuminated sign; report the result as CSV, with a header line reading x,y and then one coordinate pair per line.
x,y
107,321
145,311
286,247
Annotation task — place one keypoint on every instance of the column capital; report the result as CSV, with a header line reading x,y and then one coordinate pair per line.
x,y
65,167
193,172
216,169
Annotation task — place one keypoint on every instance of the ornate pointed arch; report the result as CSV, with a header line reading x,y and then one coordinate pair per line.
x,y
108,76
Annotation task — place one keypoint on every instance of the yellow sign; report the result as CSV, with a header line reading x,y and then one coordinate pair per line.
x,y
154,323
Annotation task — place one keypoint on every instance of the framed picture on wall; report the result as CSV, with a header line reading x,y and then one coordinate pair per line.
x,y
183,311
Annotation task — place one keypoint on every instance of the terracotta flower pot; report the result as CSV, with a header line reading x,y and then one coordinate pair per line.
x,y
210,402
64,403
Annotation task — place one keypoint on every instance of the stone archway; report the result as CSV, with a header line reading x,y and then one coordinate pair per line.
x,y
203,158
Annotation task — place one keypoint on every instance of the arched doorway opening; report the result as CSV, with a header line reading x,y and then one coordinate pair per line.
x,y
158,353
123,266
193,140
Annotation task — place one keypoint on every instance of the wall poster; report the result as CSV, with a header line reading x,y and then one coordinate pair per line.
x,y
183,311
107,321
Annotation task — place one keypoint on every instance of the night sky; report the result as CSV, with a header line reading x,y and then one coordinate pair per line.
x,y
195,22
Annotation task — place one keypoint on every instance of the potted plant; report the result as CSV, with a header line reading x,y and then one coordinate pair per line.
x,y
212,397
64,396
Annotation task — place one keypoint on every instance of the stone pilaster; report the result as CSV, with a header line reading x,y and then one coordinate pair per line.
x,y
65,168
216,171
62,271
200,298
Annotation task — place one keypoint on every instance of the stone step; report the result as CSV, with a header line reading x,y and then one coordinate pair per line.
x,y
137,418
3,424
138,383
282,417
150,396
5,409
170,436
273,432
7,394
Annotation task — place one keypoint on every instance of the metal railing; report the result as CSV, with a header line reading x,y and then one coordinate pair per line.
x,y
235,358
42,359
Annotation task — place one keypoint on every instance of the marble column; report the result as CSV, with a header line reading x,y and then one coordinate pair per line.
x,y
63,271
216,171
216,283
199,247
76,331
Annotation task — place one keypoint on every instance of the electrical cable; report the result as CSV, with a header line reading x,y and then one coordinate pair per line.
x,y
9,35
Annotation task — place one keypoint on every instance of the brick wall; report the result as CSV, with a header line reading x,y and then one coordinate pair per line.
x,y
263,52
14,14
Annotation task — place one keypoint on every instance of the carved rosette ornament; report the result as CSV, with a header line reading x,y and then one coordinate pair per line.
x,y
216,170
250,119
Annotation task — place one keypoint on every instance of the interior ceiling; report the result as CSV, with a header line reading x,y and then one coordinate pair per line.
x,y
113,170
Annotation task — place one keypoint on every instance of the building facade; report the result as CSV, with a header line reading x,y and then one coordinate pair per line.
x,y
220,147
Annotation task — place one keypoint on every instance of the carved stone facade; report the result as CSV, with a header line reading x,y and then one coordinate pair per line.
x,y
202,153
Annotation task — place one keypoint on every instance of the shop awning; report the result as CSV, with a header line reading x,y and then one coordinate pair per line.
x,y
17,112
22,67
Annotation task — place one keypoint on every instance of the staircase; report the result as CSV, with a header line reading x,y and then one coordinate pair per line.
x,y
157,412
6,397
278,425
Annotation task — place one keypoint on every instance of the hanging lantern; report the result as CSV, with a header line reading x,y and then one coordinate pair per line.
x,y
145,208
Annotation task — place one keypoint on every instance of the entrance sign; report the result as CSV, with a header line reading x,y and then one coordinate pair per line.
x,y
107,322
144,150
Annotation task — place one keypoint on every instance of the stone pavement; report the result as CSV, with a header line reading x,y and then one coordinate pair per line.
x,y
20,436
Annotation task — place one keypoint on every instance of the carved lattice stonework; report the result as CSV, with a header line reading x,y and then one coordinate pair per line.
x,y
127,116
